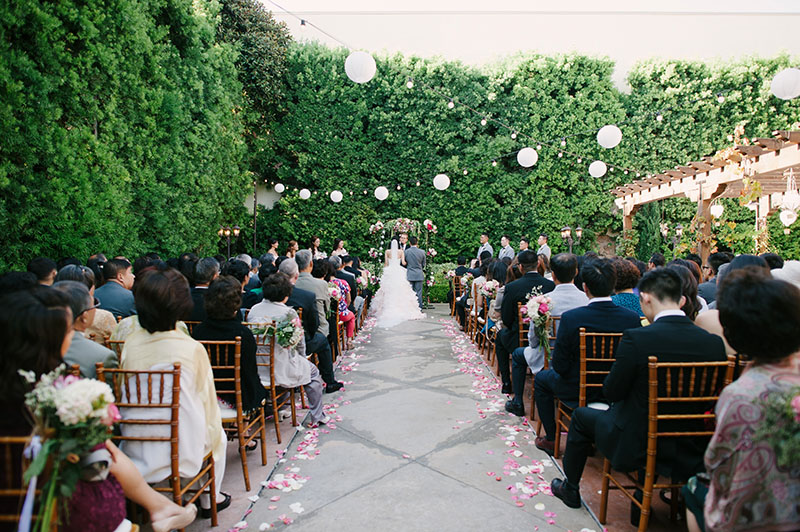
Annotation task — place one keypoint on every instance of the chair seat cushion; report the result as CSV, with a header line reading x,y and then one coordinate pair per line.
x,y
227,413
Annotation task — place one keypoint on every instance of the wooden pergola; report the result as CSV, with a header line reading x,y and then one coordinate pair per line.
x,y
765,160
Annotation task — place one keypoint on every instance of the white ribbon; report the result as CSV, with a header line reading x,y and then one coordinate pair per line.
x,y
31,451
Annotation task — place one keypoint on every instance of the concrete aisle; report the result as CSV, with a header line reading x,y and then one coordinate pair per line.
x,y
420,442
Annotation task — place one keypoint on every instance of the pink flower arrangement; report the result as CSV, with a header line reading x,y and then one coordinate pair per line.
x,y
538,310
431,252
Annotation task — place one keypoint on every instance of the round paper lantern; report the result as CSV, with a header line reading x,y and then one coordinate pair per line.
x,y
716,210
791,200
305,194
279,188
597,169
381,193
527,157
360,67
609,136
788,217
786,84
336,196
441,182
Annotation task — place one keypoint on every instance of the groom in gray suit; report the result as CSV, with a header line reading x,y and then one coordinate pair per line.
x,y
415,262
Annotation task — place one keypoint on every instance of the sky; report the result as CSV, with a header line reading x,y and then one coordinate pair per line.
x,y
479,32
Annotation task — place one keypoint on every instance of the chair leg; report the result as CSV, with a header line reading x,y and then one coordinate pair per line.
x,y
292,398
557,450
533,401
275,414
263,431
647,497
674,504
212,492
243,454
604,492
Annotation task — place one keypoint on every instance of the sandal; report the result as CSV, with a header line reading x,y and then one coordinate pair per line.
x,y
252,445
205,513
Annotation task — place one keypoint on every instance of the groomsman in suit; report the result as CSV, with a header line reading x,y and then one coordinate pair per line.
x,y
506,250
620,432
562,380
415,260
517,292
485,245
524,244
544,249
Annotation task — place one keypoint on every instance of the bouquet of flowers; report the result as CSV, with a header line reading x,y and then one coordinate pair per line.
x,y
373,253
781,427
450,274
489,289
333,291
377,226
361,282
73,415
431,280
466,279
432,252
288,331
537,309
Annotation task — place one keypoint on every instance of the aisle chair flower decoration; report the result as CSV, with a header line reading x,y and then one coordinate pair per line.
x,y
288,331
489,289
451,274
333,291
537,310
71,415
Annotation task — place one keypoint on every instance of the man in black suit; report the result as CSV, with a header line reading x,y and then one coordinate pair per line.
x,y
316,342
517,292
562,380
620,432
205,271
241,272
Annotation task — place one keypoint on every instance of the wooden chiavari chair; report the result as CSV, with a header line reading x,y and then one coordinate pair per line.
x,y
149,393
596,358
681,405
458,291
190,325
226,363
552,330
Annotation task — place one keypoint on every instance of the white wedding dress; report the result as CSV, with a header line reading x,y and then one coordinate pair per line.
x,y
395,301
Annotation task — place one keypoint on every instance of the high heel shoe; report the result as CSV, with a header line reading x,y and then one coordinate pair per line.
x,y
175,522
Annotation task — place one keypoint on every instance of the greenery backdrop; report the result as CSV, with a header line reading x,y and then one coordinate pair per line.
x,y
138,125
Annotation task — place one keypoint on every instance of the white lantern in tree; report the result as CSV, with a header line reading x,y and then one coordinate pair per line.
x,y
609,136
791,200
788,217
381,193
441,182
279,188
336,196
598,169
527,157
717,209
786,84
305,194
360,67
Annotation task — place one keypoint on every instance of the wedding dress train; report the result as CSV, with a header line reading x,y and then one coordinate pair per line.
x,y
395,301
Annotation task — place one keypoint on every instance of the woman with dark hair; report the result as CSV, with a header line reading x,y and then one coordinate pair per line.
x,y
497,273
688,289
272,245
628,276
103,325
162,295
316,252
292,248
748,490
338,248
36,327
292,368
223,299
543,267
698,277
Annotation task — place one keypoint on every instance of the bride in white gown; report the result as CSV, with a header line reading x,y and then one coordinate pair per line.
x,y
395,301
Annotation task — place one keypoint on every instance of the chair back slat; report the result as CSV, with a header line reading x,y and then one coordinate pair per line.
x,y
523,327
225,357
265,342
458,288
597,352
190,325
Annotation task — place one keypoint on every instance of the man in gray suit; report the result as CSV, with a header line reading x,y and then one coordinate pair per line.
x,y
415,262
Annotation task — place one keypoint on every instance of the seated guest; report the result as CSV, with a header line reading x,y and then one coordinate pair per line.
x,y
692,305
485,256
562,380
315,342
627,278
346,315
708,289
694,269
461,265
347,267
240,271
656,261
223,299
11,282
790,272
44,269
35,325
347,277
255,280
83,351
95,263
517,292
115,295
292,368
498,272
103,325
544,267
465,300
162,295
620,432
205,271
640,265
307,281
773,260
564,297
748,490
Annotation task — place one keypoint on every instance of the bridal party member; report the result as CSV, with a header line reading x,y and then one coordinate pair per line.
x,y
338,248
292,368
316,252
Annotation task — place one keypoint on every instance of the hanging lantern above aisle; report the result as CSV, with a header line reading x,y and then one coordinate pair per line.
x,y
305,194
786,84
381,193
598,169
360,67
527,157
441,182
609,136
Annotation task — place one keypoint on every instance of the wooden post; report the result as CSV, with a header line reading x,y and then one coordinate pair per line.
x,y
704,219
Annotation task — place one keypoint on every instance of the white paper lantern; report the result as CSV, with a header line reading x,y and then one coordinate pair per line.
x,y
788,217
716,210
279,188
598,169
360,67
381,193
527,157
609,136
791,200
441,182
305,194
336,196
786,84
